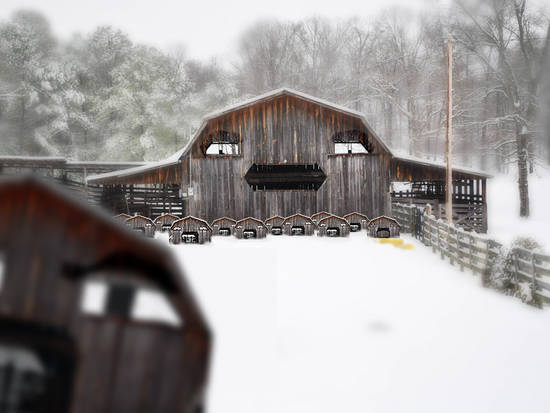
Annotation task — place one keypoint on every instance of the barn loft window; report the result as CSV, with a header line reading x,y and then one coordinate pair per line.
x,y
223,143
222,149
351,142
285,177
127,300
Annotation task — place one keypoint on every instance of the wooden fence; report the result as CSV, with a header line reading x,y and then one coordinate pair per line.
x,y
472,250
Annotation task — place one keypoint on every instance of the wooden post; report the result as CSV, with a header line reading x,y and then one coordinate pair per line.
x,y
449,134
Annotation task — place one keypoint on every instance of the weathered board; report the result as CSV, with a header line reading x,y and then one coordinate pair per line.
x,y
141,224
383,227
164,222
190,230
223,226
274,225
298,224
333,226
250,228
357,221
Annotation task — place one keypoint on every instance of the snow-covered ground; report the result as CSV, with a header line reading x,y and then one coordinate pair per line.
x,y
503,205
309,324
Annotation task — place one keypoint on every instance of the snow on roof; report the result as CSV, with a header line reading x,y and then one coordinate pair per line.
x,y
171,160
436,164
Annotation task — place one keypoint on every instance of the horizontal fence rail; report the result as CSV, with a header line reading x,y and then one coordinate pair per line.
x,y
474,251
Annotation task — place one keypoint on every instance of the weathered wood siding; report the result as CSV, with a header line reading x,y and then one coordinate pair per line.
x,y
164,221
143,224
299,220
379,223
355,218
250,224
285,130
223,223
191,225
275,221
333,222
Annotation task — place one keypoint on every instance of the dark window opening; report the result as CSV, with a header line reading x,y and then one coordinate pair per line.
x,y
297,230
166,227
225,232
355,227
333,231
249,233
285,177
190,237
223,149
276,231
383,233
351,141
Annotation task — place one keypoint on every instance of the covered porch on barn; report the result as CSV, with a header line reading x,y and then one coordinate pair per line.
x,y
420,182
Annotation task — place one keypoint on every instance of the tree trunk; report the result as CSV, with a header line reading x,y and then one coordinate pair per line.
x,y
523,184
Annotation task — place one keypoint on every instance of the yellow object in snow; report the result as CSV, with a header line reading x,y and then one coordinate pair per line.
x,y
396,242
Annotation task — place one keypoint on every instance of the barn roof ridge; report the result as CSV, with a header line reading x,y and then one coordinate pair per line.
x,y
175,158
224,218
191,217
384,217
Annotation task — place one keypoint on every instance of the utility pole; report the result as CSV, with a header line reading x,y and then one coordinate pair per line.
x,y
449,134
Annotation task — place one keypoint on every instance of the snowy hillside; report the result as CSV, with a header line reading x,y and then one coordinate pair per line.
x,y
348,325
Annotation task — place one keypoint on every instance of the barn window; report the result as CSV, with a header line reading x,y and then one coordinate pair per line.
x,y
351,142
285,177
349,147
223,149
126,299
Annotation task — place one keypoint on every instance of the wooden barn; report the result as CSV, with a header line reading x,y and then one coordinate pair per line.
x,y
298,224
64,350
357,221
223,226
122,217
284,152
274,225
142,224
190,230
333,226
164,222
250,228
319,216
383,227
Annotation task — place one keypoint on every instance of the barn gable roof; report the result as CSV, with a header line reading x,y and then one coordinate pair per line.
x,y
284,91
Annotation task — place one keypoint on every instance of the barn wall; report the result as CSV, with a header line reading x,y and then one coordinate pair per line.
x,y
293,131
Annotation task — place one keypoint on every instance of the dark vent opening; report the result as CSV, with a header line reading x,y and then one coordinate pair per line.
x,y
333,231
355,227
225,232
285,177
276,231
249,233
298,230
166,227
190,237
383,233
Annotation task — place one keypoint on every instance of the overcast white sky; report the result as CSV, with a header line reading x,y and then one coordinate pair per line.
x,y
206,28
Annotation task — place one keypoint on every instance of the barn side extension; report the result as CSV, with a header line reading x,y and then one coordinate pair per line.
x,y
298,224
319,216
250,228
190,230
141,224
333,226
357,221
223,226
164,222
59,353
275,225
383,227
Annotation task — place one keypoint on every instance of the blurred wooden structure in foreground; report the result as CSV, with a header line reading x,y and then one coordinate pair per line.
x,y
60,350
